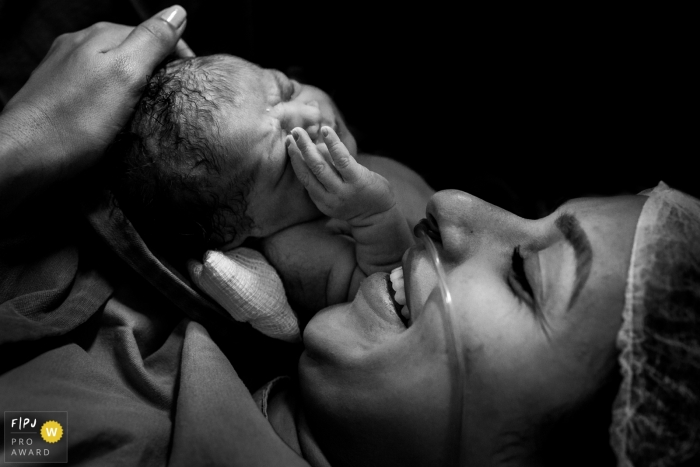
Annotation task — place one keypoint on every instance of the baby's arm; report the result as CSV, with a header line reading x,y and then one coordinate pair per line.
x,y
345,190
410,189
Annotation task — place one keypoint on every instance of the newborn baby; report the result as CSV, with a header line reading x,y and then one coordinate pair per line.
x,y
205,165
204,159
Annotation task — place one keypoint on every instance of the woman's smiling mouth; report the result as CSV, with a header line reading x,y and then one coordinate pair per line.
x,y
399,293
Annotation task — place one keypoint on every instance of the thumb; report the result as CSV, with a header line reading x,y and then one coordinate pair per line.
x,y
154,39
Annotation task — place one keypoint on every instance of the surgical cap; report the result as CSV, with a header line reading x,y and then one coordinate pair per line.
x,y
656,415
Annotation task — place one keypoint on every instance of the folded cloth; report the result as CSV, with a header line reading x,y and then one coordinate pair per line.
x,y
248,287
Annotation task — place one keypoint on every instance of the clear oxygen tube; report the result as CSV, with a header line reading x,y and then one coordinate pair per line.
x,y
454,347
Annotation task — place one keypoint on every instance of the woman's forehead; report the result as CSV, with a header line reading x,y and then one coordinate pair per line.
x,y
610,226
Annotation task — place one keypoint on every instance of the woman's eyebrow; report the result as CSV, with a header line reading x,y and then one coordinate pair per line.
x,y
569,225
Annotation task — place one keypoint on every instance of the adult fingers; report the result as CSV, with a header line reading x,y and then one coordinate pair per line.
x,y
119,33
110,35
151,41
183,50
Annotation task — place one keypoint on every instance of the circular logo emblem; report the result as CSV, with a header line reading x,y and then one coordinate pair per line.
x,y
51,431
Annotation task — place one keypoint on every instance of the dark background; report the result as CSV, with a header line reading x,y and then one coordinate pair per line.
x,y
523,106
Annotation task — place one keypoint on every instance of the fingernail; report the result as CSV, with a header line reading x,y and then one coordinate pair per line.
x,y
324,130
287,141
175,15
313,104
295,134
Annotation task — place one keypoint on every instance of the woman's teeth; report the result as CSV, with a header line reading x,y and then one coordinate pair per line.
x,y
396,277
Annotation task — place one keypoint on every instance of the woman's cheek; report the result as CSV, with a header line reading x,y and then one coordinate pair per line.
x,y
486,314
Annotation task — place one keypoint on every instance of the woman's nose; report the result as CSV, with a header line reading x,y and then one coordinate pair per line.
x,y
468,225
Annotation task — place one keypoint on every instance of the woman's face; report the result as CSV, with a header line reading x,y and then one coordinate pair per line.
x,y
537,305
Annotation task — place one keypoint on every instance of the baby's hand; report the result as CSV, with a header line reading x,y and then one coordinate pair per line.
x,y
339,186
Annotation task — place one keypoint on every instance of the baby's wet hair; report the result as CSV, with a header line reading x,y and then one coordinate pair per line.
x,y
168,160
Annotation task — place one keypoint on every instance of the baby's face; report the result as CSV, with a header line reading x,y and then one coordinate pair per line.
x,y
271,106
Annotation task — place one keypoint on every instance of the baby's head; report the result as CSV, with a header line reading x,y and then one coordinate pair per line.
x,y
203,162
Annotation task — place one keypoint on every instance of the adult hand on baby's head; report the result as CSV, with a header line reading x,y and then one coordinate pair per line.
x,y
83,93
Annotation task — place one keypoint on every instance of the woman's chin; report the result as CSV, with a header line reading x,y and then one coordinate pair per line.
x,y
332,337
351,330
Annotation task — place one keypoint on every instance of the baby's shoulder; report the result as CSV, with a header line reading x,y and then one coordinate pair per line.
x,y
322,236
313,258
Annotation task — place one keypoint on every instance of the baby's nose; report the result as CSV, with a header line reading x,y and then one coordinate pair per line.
x,y
313,129
316,123
303,114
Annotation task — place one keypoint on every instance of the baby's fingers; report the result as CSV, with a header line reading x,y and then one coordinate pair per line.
x,y
344,163
306,178
315,162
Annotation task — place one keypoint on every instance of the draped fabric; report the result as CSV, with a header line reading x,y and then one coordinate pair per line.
x,y
95,323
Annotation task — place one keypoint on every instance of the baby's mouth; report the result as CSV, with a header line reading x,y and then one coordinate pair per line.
x,y
399,294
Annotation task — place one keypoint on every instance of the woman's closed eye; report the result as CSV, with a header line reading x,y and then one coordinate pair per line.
x,y
517,279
